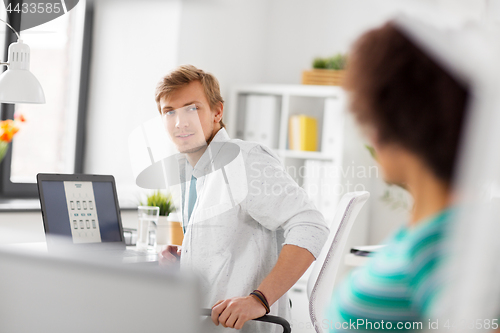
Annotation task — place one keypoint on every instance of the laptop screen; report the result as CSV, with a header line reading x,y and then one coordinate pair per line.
x,y
86,211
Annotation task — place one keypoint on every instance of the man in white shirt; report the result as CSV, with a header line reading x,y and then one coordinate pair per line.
x,y
238,204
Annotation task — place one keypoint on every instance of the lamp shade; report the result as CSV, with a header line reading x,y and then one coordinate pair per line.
x,y
18,84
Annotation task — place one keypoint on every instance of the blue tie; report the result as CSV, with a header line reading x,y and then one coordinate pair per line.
x,y
192,196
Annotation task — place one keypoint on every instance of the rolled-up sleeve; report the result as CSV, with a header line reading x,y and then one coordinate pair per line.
x,y
276,201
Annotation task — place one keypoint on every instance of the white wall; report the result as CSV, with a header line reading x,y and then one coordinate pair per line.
x,y
134,44
240,41
302,30
227,38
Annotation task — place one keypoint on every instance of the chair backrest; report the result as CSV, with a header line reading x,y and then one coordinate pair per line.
x,y
322,278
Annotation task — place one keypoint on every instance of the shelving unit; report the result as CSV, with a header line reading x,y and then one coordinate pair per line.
x,y
291,100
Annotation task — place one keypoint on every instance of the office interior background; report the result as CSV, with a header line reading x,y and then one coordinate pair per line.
x,y
100,71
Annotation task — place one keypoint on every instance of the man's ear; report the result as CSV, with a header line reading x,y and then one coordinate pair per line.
x,y
219,111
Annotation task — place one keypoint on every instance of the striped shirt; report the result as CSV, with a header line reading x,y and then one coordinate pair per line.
x,y
396,288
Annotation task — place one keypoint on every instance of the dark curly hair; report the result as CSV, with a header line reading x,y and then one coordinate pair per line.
x,y
406,97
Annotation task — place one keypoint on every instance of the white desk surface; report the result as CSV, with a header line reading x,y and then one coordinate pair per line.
x,y
41,247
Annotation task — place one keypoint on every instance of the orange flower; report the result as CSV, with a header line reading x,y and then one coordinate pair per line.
x,y
7,130
5,137
20,117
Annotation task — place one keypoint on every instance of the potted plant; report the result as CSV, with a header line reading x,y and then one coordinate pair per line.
x,y
168,231
162,201
326,71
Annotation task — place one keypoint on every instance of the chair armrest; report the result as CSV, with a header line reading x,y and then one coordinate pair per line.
x,y
266,318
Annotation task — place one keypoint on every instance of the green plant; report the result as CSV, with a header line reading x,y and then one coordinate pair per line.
x,y
372,152
319,63
337,62
396,197
163,201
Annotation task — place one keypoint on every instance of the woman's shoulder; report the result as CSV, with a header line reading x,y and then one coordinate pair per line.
x,y
429,237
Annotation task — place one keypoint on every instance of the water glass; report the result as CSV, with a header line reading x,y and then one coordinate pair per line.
x,y
148,218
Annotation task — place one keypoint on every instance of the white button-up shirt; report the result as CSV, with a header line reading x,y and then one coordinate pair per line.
x,y
247,208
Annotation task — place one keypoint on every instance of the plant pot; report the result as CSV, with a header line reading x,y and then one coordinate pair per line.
x,y
325,77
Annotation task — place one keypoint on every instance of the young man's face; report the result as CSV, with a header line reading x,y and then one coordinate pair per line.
x,y
188,118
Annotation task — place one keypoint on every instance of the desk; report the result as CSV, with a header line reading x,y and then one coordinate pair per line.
x,y
45,293
37,247
41,248
356,260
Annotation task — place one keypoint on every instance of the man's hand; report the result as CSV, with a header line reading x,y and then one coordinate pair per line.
x,y
292,263
236,311
170,255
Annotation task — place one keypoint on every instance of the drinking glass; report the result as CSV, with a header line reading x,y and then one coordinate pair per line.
x,y
148,218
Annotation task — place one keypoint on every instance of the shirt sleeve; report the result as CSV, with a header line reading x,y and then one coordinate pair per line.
x,y
275,200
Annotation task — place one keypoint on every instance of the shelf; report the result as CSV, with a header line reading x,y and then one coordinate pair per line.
x,y
291,90
308,155
261,113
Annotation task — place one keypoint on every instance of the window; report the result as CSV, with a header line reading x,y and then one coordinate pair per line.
x,y
51,139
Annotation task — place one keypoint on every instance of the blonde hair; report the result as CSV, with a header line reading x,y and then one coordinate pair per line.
x,y
184,75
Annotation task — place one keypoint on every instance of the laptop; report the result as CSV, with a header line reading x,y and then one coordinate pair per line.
x,y
81,213
60,294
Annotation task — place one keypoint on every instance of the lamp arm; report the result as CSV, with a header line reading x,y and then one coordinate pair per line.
x,y
4,64
17,34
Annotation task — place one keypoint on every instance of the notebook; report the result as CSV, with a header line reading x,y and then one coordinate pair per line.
x,y
81,213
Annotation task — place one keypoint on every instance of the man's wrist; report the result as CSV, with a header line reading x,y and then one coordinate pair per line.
x,y
256,299
259,296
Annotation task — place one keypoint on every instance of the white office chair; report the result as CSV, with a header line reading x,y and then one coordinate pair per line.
x,y
322,278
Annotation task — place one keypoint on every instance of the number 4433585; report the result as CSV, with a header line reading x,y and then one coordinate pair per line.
x,y
48,8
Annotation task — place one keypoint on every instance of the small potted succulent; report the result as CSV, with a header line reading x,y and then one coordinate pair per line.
x,y
326,71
